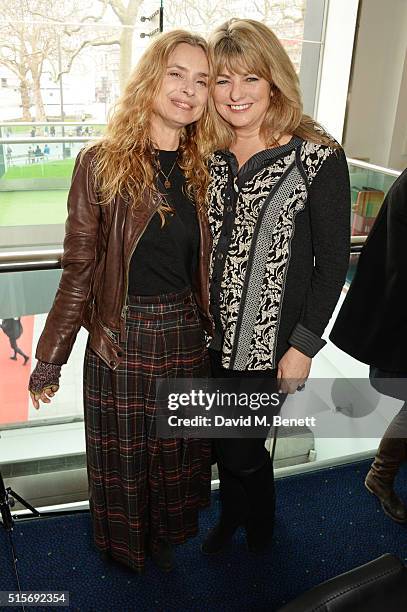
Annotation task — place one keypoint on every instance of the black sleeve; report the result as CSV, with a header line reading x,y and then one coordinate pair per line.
x,y
329,201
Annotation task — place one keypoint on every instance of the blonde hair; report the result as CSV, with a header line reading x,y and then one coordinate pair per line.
x,y
245,44
124,159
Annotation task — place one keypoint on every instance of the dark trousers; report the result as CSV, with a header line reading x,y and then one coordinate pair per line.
x,y
245,468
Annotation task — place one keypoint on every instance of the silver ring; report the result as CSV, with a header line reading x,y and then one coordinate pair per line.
x,y
301,387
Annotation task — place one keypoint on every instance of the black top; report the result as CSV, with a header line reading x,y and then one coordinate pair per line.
x,y
166,258
372,323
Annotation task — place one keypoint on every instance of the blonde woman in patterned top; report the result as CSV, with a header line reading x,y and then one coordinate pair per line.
x,y
279,214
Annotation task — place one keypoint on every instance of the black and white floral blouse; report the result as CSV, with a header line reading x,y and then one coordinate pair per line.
x,y
280,229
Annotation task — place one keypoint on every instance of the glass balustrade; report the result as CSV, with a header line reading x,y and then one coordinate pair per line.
x,y
32,214
25,299
369,185
35,174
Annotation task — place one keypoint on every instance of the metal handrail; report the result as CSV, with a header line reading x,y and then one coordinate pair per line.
x,y
48,139
38,259
49,123
367,166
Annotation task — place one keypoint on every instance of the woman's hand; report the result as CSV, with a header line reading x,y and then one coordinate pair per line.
x,y
44,382
293,370
45,395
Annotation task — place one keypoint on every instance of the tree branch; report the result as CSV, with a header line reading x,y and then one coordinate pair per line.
x,y
85,43
118,8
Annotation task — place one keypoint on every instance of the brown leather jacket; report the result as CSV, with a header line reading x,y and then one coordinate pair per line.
x,y
98,246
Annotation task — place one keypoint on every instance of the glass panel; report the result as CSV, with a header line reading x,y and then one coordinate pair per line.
x,y
311,53
286,18
35,170
87,51
35,178
368,189
25,298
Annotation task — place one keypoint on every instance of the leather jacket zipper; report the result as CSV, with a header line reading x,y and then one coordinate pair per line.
x,y
109,333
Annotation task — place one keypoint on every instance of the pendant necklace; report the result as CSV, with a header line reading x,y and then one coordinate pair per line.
x,y
167,182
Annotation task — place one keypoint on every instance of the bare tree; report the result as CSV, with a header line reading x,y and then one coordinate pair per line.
x,y
24,47
38,33
286,18
127,15
74,39
198,15
13,58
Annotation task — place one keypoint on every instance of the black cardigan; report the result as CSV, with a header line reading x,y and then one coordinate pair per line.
x,y
280,227
372,323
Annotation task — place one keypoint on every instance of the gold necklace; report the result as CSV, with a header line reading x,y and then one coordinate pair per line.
x,y
167,182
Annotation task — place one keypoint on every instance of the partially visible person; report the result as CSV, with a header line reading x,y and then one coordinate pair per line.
x,y
279,212
13,328
135,275
372,327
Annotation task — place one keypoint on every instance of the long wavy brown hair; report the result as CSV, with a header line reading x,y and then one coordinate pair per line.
x,y
249,46
124,159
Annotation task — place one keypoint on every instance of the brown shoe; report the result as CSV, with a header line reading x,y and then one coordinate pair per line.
x,y
391,503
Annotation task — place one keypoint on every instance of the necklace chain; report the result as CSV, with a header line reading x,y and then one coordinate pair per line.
x,y
167,182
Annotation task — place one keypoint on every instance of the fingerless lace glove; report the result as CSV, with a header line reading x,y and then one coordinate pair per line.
x,y
44,375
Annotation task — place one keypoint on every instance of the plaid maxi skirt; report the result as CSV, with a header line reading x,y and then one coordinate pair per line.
x,y
142,488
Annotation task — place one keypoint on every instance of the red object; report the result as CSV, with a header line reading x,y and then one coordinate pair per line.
x,y
14,376
361,225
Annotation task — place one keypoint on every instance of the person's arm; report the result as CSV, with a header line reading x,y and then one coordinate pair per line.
x,y
329,201
396,270
44,382
78,263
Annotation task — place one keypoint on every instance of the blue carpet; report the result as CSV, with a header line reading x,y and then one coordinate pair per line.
x,y
326,524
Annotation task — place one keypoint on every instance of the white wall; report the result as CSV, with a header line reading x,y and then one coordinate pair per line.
x,y
336,65
377,76
398,150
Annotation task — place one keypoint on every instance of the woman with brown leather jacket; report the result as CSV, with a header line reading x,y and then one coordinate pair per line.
x,y
135,269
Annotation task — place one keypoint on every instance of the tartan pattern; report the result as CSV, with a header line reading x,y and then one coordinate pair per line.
x,y
142,488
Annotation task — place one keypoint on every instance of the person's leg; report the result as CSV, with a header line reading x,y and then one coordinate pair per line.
x,y
246,492
246,482
171,347
13,344
20,352
260,492
391,453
